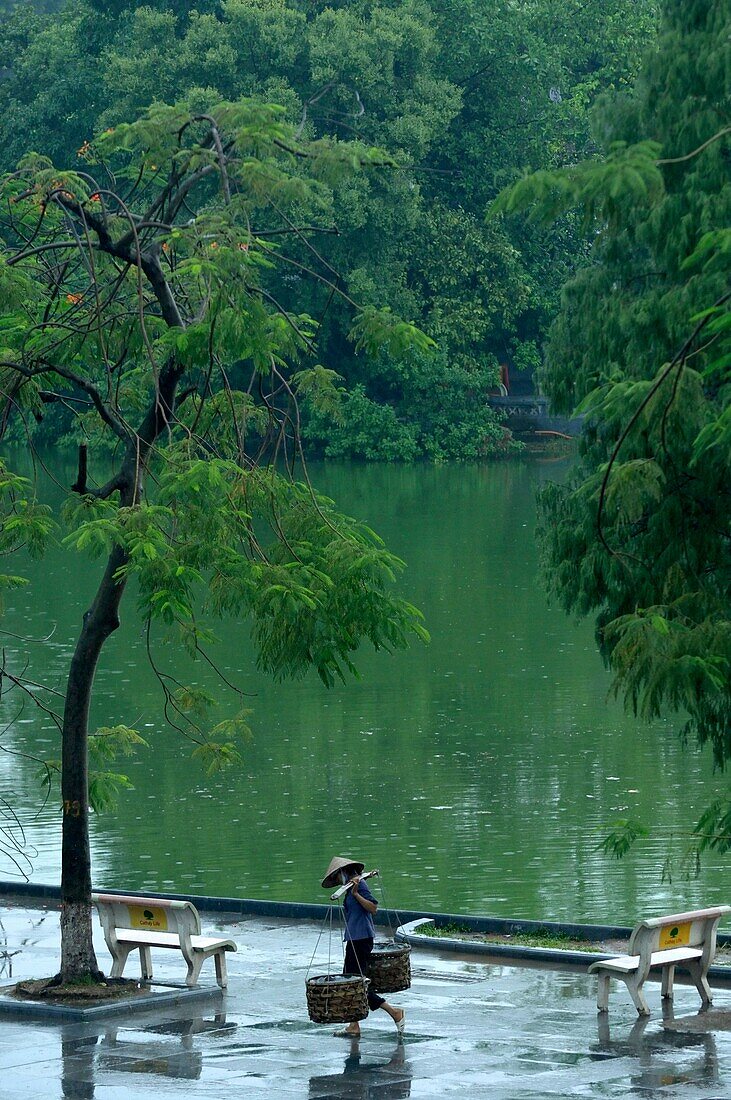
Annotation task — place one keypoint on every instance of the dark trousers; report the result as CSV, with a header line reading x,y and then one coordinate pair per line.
x,y
357,954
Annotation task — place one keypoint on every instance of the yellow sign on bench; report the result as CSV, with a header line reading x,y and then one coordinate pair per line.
x,y
143,916
675,935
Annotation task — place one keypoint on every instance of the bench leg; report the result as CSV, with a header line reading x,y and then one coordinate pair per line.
x,y
668,976
635,992
701,982
145,963
194,969
221,972
121,954
602,993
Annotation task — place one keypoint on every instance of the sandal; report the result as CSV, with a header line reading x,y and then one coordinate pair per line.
x,y
401,1024
345,1034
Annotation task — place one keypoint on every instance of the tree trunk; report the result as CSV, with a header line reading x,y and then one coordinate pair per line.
x,y
78,959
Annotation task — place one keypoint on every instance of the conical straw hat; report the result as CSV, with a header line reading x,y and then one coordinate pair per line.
x,y
338,863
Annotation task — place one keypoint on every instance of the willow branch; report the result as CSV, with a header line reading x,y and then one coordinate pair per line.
x,y
677,360
689,156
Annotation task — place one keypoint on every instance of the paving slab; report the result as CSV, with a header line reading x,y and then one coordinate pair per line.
x,y
474,1028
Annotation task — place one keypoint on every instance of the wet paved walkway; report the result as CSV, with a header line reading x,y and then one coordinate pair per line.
x,y
473,1028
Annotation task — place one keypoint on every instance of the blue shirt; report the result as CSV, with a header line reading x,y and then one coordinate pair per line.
x,y
358,921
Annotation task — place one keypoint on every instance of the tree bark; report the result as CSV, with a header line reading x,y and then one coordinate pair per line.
x,y
78,959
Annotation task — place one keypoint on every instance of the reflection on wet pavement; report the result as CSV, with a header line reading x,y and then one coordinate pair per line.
x,y
129,1049
363,1077
663,1058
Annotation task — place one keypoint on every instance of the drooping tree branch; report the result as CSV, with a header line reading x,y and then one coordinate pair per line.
x,y
676,364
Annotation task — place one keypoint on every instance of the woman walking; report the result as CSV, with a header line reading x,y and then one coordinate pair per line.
x,y
359,905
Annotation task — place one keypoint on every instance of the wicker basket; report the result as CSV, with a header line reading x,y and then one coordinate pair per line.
x,y
337,998
389,967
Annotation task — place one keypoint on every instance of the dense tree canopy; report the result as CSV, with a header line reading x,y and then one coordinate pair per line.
x,y
642,537
463,94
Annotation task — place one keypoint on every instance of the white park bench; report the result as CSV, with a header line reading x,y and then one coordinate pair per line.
x,y
138,924
688,939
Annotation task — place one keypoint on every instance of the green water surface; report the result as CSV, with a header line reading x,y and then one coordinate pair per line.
x,y
479,772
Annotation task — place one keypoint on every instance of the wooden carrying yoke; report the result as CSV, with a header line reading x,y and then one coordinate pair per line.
x,y
344,889
688,939
139,923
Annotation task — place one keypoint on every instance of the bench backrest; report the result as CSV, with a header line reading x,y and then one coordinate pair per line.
x,y
696,928
151,914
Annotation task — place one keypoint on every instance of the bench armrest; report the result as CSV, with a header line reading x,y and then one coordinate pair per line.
x,y
681,918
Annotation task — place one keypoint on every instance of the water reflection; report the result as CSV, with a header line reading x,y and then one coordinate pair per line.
x,y
141,1050
366,1080
630,1042
77,1078
661,1059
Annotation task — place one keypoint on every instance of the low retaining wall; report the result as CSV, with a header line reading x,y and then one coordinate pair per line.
x,y
552,956
408,933
305,911
405,919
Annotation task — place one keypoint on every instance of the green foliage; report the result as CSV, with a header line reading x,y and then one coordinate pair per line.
x,y
318,388
24,522
104,789
640,537
428,408
623,835
545,938
220,750
714,826
109,742
601,189
143,294
463,95
712,833
363,429
194,701
448,929
378,330
105,746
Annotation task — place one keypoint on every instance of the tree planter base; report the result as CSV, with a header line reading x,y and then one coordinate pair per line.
x,y
148,999
79,995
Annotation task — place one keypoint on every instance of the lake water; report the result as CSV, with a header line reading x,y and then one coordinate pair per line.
x,y
479,772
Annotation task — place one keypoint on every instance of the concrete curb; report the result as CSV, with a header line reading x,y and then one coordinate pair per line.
x,y
406,933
